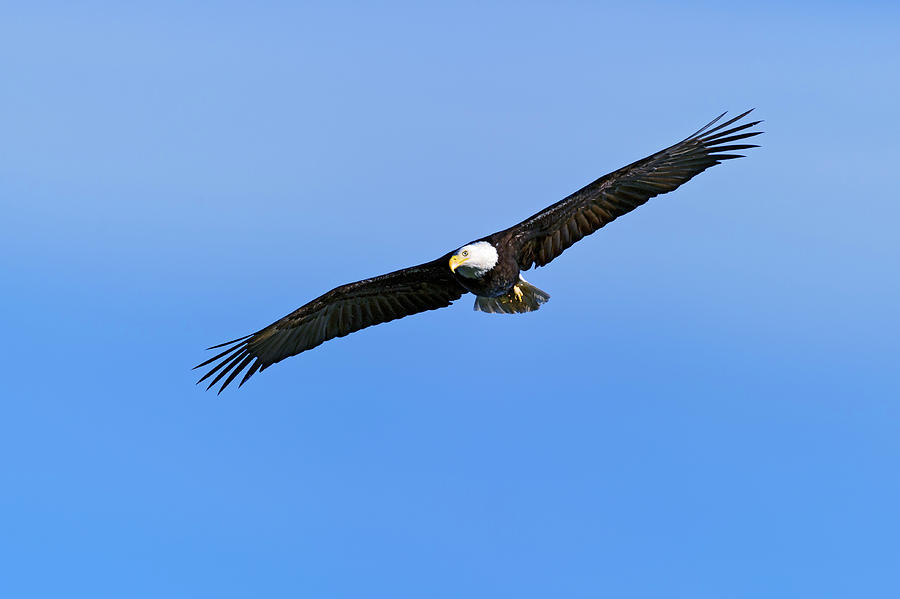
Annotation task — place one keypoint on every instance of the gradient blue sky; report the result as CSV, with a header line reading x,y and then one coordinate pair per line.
x,y
708,407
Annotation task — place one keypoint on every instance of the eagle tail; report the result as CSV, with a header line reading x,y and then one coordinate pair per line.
x,y
523,297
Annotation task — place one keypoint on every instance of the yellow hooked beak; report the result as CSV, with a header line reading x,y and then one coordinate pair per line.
x,y
455,261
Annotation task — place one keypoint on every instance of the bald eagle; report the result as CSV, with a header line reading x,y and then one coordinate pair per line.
x,y
489,267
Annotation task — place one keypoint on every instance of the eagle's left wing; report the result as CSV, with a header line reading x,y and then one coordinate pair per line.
x,y
548,233
341,311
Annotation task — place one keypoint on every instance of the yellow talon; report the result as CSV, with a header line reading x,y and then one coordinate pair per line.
x,y
518,292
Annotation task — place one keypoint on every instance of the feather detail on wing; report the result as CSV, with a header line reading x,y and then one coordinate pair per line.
x,y
548,233
339,312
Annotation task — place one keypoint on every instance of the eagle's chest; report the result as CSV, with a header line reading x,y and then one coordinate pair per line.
x,y
496,282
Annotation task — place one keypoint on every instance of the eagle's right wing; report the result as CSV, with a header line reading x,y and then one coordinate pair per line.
x,y
339,312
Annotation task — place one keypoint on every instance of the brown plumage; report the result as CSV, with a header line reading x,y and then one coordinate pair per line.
x,y
341,311
548,233
536,241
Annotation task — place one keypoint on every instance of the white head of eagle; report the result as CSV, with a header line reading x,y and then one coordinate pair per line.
x,y
473,261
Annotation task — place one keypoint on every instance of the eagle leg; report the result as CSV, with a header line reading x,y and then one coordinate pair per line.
x,y
519,293
523,297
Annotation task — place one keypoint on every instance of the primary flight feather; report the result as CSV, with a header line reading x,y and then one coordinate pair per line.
x,y
489,267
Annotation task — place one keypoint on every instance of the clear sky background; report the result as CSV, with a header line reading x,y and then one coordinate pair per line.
x,y
708,407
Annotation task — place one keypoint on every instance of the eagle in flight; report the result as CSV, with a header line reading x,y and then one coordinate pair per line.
x,y
490,267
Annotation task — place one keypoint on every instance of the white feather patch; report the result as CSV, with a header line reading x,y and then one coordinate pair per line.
x,y
480,257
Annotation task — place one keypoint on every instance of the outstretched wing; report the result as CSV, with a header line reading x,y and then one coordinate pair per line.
x,y
339,312
548,233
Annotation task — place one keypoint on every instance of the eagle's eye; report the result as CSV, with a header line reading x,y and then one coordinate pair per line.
x,y
465,253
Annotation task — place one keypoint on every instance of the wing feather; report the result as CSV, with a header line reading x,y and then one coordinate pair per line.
x,y
339,312
544,236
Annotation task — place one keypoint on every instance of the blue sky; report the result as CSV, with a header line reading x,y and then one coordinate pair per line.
x,y
708,406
